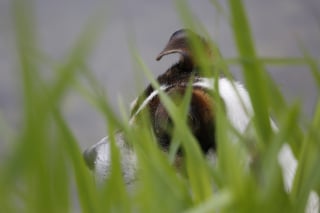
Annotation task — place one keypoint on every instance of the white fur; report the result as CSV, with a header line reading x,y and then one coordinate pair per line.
x,y
236,99
149,98
103,160
313,203
288,165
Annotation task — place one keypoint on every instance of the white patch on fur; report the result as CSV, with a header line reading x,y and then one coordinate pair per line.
x,y
236,99
149,98
103,160
288,165
313,203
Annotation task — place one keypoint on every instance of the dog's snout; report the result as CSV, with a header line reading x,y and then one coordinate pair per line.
x,y
90,156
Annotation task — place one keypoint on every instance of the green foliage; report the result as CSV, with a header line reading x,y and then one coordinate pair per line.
x,y
45,172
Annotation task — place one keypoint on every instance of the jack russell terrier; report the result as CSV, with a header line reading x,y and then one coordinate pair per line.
x,y
200,116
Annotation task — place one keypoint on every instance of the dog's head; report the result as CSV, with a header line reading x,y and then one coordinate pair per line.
x,y
174,83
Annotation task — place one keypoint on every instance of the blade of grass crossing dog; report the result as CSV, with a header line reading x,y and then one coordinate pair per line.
x,y
114,194
216,203
85,186
308,175
200,177
253,70
196,167
157,176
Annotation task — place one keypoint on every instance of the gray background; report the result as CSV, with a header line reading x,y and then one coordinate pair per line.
x,y
277,25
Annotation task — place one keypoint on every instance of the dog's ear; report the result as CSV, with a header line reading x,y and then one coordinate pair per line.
x,y
179,43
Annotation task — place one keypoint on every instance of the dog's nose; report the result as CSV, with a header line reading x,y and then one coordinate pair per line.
x,y
90,156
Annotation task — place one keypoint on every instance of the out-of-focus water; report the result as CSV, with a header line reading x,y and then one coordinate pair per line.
x,y
278,27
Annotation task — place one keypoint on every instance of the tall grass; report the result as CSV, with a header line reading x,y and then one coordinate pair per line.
x,y
45,172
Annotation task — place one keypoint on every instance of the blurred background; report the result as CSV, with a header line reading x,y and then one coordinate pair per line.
x,y
279,27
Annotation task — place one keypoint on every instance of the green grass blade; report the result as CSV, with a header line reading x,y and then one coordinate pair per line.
x,y
253,70
84,182
196,166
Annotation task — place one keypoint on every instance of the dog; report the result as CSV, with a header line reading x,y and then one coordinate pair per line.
x,y
200,117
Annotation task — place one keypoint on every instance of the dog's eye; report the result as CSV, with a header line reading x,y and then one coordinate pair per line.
x,y
193,120
162,122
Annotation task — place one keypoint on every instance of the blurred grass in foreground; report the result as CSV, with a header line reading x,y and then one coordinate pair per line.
x,y
45,172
